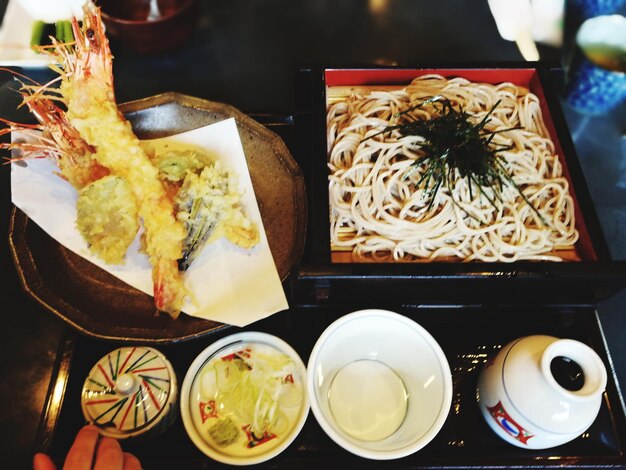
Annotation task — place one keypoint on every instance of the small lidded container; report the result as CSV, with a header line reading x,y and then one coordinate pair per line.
x,y
131,391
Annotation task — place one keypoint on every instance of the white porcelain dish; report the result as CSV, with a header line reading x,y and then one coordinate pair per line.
x,y
380,385
202,411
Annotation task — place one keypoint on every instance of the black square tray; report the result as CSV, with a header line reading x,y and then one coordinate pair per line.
x,y
468,336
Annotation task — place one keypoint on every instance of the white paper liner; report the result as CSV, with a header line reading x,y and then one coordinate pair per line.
x,y
229,284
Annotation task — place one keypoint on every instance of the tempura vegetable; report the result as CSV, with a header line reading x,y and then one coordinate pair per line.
x,y
174,164
207,201
107,217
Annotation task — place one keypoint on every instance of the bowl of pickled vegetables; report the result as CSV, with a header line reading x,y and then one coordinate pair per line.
x,y
243,399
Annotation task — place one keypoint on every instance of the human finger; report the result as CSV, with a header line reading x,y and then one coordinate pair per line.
x,y
82,451
43,462
109,455
131,462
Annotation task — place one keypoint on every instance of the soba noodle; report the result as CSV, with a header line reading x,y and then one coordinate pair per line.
x,y
379,212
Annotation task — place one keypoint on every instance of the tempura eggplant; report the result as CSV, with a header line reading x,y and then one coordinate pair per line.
x,y
208,206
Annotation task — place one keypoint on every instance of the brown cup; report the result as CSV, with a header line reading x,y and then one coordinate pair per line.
x,y
127,22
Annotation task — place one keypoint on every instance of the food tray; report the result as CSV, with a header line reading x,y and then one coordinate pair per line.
x,y
321,278
467,336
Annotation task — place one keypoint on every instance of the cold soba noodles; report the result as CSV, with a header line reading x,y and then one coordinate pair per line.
x,y
387,205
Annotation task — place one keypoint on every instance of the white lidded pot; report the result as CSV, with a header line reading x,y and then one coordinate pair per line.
x,y
541,391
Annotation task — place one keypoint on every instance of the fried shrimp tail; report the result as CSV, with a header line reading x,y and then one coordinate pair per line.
x,y
169,289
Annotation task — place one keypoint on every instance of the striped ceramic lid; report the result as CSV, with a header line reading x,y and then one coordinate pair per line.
x,y
129,391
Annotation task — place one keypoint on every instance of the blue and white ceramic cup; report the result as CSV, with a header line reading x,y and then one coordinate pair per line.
x,y
597,83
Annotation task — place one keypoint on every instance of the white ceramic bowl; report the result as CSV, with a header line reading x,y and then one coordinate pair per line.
x,y
199,389
379,384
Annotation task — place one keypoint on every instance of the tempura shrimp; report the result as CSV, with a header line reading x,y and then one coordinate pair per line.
x,y
86,88
89,138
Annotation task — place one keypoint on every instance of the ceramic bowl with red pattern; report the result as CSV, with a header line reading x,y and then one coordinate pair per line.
x,y
243,399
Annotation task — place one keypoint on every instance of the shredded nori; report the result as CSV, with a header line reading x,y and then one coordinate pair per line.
x,y
454,143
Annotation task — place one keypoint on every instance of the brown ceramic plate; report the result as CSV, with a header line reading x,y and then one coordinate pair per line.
x,y
100,305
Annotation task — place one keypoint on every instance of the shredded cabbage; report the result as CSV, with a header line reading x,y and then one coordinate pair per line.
x,y
254,385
